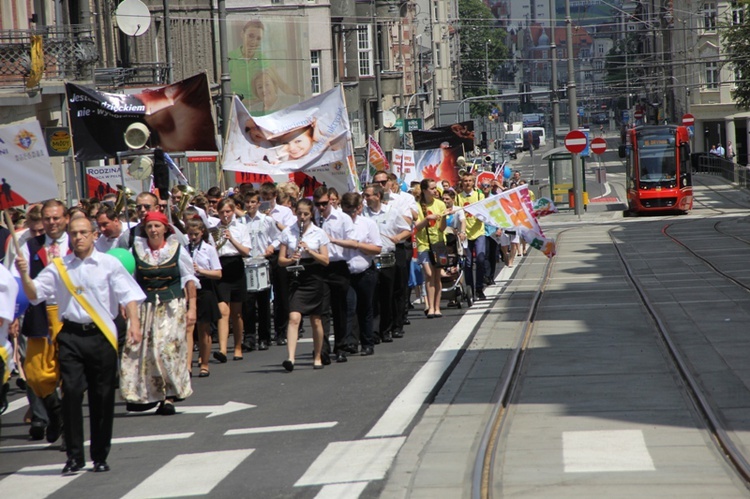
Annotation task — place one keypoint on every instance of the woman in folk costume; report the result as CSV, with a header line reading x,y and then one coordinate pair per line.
x,y
155,371
8,293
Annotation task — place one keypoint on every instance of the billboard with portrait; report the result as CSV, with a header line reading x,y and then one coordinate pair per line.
x,y
268,60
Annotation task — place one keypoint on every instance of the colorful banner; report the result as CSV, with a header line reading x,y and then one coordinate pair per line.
x,y
543,207
178,116
376,157
438,164
457,135
26,174
312,133
270,60
102,180
513,208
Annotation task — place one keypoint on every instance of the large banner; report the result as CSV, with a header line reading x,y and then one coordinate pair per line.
x,y
179,117
26,174
513,208
312,133
103,180
268,60
457,135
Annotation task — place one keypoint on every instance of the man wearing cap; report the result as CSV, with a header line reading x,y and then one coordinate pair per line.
x,y
89,287
475,252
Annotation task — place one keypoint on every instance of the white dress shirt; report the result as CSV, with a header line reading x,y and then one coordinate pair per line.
x,y
64,247
314,237
389,222
263,232
205,256
239,233
338,225
365,231
104,243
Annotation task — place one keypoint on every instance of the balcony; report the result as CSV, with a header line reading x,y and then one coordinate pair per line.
x,y
141,74
70,53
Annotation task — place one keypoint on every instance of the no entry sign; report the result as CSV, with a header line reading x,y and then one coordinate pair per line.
x,y
688,119
575,141
598,145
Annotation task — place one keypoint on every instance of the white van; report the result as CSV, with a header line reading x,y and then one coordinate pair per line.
x,y
537,132
516,138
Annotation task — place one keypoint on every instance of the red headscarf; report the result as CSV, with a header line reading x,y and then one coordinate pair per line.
x,y
157,216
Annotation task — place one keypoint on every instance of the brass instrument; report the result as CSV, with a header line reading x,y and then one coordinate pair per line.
x,y
123,193
187,194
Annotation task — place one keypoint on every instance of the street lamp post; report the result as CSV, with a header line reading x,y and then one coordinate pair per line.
x,y
487,66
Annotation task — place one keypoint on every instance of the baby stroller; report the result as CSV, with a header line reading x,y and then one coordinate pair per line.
x,y
452,279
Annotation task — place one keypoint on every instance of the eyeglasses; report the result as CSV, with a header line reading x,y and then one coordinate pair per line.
x,y
381,182
162,206
144,206
321,204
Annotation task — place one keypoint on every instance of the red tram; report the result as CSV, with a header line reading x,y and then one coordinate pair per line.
x,y
658,176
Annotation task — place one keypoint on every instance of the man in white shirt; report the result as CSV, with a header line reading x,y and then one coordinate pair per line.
x,y
110,229
283,218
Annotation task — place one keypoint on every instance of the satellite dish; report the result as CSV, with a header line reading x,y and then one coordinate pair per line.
x,y
136,135
133,17
389,119
141,167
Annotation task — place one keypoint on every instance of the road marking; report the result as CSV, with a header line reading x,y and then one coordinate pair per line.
x,y
275,429
213,410
115,441
17,404
605,451
354,461
190,474
35,482
342,490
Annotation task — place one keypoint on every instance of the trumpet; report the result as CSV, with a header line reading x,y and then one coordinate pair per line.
x,y
123,194
187,194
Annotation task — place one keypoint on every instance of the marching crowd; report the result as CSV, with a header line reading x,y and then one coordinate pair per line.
x,y
249,261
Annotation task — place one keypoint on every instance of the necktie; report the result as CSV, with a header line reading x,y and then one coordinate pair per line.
x,y
54,250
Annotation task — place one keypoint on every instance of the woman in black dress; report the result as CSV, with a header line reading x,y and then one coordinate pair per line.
x,y
305,245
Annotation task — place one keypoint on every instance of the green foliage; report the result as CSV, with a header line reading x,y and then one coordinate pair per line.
x,y
482,48
736,42
621,58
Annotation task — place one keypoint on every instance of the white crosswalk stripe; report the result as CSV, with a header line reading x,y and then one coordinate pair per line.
x,y
198,473
35,482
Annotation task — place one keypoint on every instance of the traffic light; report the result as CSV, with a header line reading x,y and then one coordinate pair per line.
x,y
483,143
161,173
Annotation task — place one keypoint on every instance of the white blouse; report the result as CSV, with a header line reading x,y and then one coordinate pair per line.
x,y
314,237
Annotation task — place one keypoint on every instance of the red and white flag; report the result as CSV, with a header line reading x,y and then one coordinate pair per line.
x,y
377,157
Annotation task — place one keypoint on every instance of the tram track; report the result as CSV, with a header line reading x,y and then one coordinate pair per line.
x,y
705,407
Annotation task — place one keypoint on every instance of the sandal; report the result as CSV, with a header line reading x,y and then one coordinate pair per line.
x,y
205,373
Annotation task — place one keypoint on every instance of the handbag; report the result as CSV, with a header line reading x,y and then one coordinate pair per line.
x,y
438,252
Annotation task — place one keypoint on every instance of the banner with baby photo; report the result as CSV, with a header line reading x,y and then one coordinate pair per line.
x,y
437,164
312,133
513,208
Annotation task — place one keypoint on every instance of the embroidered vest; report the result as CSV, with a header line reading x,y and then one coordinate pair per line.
x,y
161,280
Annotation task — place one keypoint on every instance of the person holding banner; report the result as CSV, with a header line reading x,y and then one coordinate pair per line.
x,y
8,293
89,287
474,235
430,228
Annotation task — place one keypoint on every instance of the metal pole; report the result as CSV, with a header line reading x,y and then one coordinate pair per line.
x,y
573,103
226,89
376,53
553,55
433,48
487,66
167,41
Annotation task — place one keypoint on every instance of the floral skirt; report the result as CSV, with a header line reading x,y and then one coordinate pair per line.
x,y
156,368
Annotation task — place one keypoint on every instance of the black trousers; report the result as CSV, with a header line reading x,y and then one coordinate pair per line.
x,y
87,362
364,285
401,286
280,283
256,311
337,277
385,301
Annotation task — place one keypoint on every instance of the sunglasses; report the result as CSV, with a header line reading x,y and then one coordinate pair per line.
x,y
381,182
321,204
144,206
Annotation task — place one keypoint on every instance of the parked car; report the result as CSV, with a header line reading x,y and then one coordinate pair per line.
x,y
509,147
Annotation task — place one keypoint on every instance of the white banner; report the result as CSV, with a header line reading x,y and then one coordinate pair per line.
x,y
25,171
312,133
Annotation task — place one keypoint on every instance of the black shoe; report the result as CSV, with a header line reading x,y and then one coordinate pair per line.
x,y
248,348
387,337
220,357
480,295
53,432
353,349
36,432
341,357
166,409
367,351
325,358
21,384
281,341
288,365
73,466
134,407
4,397
262,345
407,322
102,467
376,338
398,333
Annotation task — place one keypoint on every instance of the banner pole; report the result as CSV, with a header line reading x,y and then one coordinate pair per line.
x,y
12,230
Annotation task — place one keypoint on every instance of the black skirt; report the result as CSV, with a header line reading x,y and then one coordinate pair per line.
x,y
231,287
208,303
308,292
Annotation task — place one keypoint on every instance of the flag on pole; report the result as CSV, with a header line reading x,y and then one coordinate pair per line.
x,y
376,156
175,174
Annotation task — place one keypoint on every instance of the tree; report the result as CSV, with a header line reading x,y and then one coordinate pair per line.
x,y
482,49
619,66
736,42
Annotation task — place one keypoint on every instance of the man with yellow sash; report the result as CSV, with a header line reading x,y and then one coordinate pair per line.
x,y
89,287
40,324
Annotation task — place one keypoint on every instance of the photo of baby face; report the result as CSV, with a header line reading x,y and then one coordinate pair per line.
x,y
297,143
253,132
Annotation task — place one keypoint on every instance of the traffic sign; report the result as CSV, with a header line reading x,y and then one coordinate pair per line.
x,y
638,115
575,141
688,119
598,145
485,178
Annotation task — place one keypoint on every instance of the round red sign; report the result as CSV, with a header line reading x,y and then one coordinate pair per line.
x,y
575,141
638,115
598,145
688,119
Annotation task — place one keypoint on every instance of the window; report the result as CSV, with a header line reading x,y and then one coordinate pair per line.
x,y
364,50
315,71
712,75
438,56
709,16
738,13
358,136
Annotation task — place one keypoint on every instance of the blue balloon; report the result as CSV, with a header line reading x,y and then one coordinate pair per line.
x,y
22,302
506,172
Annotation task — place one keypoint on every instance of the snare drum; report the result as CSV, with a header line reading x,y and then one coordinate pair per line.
x,y
257,275
385,260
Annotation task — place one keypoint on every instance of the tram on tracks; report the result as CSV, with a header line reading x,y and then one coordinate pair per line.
x,y
658,173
